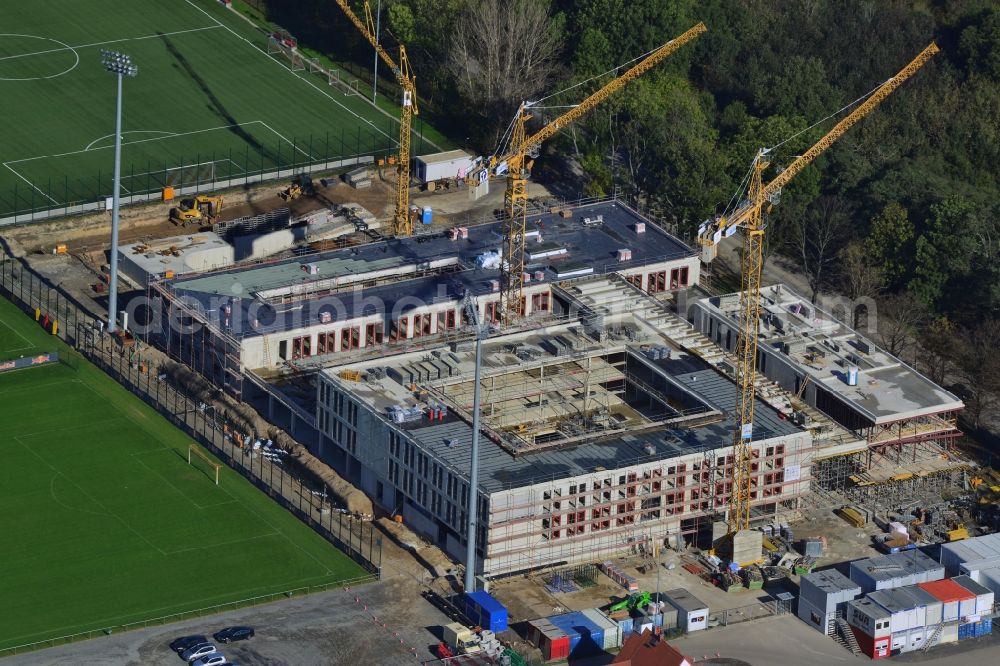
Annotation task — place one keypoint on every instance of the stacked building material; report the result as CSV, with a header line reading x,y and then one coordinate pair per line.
x,y
619,576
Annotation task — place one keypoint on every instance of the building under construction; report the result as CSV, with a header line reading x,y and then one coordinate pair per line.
x,y
607,418
391,294
607,423
896,427
599,437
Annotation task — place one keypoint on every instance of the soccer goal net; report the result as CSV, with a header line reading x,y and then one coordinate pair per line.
x,y
347,84
280,45
191,174
200,460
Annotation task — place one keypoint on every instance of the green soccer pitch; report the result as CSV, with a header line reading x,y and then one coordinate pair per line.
x,y
209,102
105,523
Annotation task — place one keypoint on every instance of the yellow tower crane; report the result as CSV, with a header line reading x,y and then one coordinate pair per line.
x,y
516,197
402,223
749,217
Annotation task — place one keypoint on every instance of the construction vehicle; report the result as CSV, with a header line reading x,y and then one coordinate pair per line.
x,y
749,216
293,191
517,165
402,223
632,601
300,185
957,532
201,207
460,637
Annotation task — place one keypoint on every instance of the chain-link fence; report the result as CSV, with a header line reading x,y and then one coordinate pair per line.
x,y
255,160
356,537
178,617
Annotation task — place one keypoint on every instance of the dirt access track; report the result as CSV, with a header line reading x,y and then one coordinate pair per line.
x,y
90,232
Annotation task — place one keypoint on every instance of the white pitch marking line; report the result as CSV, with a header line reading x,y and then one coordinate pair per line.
x,y
158,138
310,83
286,140
113,41
125,143
30,183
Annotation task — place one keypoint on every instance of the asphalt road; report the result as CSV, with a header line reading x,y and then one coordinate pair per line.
x,y
788,641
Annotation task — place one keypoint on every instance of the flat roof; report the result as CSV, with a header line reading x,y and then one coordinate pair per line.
x,y
869,608
830,581
499,470
923,596
972,586
824,348
339,270
896,600
947,590
444,156
156,257
903,563
684,600
976,549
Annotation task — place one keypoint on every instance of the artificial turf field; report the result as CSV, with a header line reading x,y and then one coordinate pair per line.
x,y
105,523
208,101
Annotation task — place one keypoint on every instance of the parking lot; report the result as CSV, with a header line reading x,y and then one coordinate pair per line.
x,y
321,629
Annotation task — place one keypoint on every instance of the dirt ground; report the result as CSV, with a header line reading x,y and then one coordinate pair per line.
x,y
387,622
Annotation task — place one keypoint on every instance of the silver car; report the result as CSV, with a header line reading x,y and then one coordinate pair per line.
x,y
214,659
197,652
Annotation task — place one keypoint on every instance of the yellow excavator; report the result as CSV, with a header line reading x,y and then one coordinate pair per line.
x,y
201,207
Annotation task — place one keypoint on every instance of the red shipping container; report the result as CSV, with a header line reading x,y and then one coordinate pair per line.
x,y
558,648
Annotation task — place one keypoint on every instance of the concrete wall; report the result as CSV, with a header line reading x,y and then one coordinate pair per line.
x,y
429,491
265,245
253,356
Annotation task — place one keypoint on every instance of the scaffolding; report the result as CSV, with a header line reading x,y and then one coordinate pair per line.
x,y
537,399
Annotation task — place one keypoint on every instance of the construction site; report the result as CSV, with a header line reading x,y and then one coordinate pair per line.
x,y
539,390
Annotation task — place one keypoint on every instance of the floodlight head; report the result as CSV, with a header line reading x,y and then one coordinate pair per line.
x,y
119,63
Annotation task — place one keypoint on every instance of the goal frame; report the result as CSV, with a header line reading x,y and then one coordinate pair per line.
x,y
193,448
296,62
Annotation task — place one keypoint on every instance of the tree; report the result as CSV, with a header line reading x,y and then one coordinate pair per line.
x,y
503,53
817,238
900,317
978,367
861,278
937,349
980,44
956,237
889,244
668,148
402,24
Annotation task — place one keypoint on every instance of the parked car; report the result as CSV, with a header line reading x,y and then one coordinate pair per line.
x,y
214,659
198,651
185,642
230,634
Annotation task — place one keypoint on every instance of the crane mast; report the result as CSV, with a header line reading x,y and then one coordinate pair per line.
x,y
402,223
750,218
516,197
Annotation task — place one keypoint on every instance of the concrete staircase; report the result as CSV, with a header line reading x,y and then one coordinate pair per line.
x,y
845,636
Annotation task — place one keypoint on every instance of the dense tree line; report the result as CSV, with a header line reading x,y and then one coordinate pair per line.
x,y
904,208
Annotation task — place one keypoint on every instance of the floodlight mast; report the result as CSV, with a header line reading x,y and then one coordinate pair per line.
x,y
471,308
119,64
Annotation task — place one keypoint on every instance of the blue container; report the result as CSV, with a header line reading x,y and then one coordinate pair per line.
x,y
966,631
484,610
426,216
586,637
626,625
